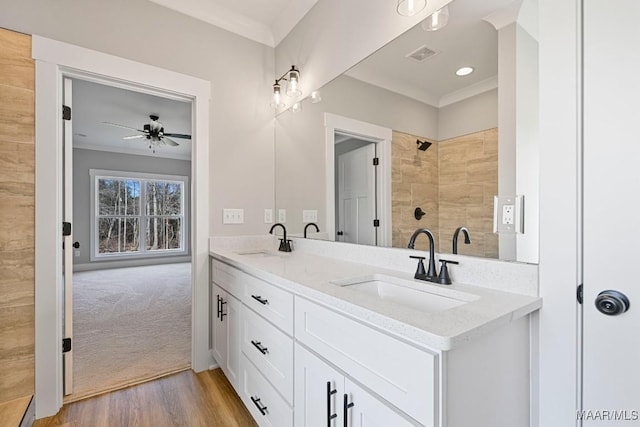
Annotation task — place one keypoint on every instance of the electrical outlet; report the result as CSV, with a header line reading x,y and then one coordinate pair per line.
x,y
309,215
233,216
268,216
282,215
507,214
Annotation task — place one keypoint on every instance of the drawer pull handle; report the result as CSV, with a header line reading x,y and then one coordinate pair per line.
x,y
345,408
261,349
219,309
261,408
261,300
330,392
222,313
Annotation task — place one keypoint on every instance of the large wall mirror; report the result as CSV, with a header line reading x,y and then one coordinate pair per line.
x,y
441,154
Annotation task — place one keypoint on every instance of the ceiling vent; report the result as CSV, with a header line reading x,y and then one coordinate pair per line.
x,y
422,53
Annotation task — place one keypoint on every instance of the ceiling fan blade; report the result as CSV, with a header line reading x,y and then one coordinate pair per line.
x,y
121,126
134,137
169,141
178,135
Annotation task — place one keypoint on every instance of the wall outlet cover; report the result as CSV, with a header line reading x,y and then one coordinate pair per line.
x,y
309,215
282,215
508,214
233,216
268,216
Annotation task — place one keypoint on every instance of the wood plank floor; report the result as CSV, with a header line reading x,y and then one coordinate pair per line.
x,y
185,399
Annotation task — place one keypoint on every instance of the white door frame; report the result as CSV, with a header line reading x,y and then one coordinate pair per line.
x,y
370,132
53,60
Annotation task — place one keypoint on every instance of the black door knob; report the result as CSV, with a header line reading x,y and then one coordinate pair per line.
x,y
612,302
340,233
76,245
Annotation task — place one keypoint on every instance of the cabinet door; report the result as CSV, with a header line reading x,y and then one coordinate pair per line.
x,y
319,390
218,326
364,410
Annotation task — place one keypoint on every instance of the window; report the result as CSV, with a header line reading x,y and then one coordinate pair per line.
x,y
138,214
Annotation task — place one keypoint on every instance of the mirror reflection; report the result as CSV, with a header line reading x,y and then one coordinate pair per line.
x,y
432,127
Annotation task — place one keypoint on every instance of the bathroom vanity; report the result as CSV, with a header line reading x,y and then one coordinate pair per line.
x,y
309,340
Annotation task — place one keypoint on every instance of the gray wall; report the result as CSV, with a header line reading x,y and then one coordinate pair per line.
x,y
480,112
240,71
83,161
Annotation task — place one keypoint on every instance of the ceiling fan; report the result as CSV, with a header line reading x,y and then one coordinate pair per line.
x,y
153,133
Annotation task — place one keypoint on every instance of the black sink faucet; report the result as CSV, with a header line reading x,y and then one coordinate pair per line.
x,y
307,226
285,244
431,271
467,240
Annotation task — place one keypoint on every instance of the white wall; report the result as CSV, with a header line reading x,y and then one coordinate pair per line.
x,y
83,161
241,73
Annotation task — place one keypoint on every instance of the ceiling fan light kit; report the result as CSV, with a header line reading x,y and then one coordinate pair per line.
x,y
153,133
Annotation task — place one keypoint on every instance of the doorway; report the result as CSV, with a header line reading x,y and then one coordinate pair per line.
x,y
55,60
129,294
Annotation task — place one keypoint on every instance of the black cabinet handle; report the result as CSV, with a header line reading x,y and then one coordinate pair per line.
x,y
345,408
219,309
222,313
261,300
261,408
258,345
330,392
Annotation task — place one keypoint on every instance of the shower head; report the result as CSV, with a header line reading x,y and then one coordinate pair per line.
x,y
423,145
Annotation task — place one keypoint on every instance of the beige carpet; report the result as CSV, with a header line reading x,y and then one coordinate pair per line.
x,y
130,325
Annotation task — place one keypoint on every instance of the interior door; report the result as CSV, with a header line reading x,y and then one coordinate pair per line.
x,y
67,358
357,196
611,342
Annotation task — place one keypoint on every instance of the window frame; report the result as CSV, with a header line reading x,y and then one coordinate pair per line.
x,y
97,174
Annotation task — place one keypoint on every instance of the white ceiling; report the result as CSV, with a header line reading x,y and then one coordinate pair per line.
x,y
266,22
466,41
95,103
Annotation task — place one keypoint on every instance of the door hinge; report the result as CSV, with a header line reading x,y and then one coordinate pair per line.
x,y
376,161
66,228
66,113
376,223
66,345
579,293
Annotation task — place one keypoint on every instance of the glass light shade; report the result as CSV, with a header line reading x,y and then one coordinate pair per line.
x,y
437,20
411,7
296,108
277,97
293,88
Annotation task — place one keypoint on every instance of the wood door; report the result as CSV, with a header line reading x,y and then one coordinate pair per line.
x,y
357,196
611,343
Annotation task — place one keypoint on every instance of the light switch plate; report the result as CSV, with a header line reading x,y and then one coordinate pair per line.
x,y
268,216
233,216
282,215
508,214
309,215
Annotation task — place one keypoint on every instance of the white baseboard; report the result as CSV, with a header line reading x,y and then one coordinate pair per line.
x,y
105,265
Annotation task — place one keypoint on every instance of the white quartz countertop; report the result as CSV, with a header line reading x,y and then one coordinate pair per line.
x,y
311,276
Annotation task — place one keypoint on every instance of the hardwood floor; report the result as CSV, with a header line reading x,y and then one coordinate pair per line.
x,y
185,399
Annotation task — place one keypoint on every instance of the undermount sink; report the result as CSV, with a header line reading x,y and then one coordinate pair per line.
x,y
257,253
423,297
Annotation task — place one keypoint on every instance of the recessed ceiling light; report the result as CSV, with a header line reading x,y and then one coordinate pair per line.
x,y
464,71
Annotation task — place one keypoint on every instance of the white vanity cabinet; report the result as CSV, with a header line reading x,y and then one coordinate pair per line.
x,y
325,397
225,332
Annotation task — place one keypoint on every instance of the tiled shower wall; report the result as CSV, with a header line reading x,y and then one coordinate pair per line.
x,y
17,214
453,182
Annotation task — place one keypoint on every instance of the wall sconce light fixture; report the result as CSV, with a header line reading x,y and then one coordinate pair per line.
x,y
411,7
292,77
437,20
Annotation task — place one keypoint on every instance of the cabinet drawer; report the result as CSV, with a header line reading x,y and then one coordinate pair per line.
x,y
265,404
400,373
227,277
269,301
270,350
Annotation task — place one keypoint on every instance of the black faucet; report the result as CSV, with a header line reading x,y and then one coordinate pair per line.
x,y
285,244
307,226
431,274
467,240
